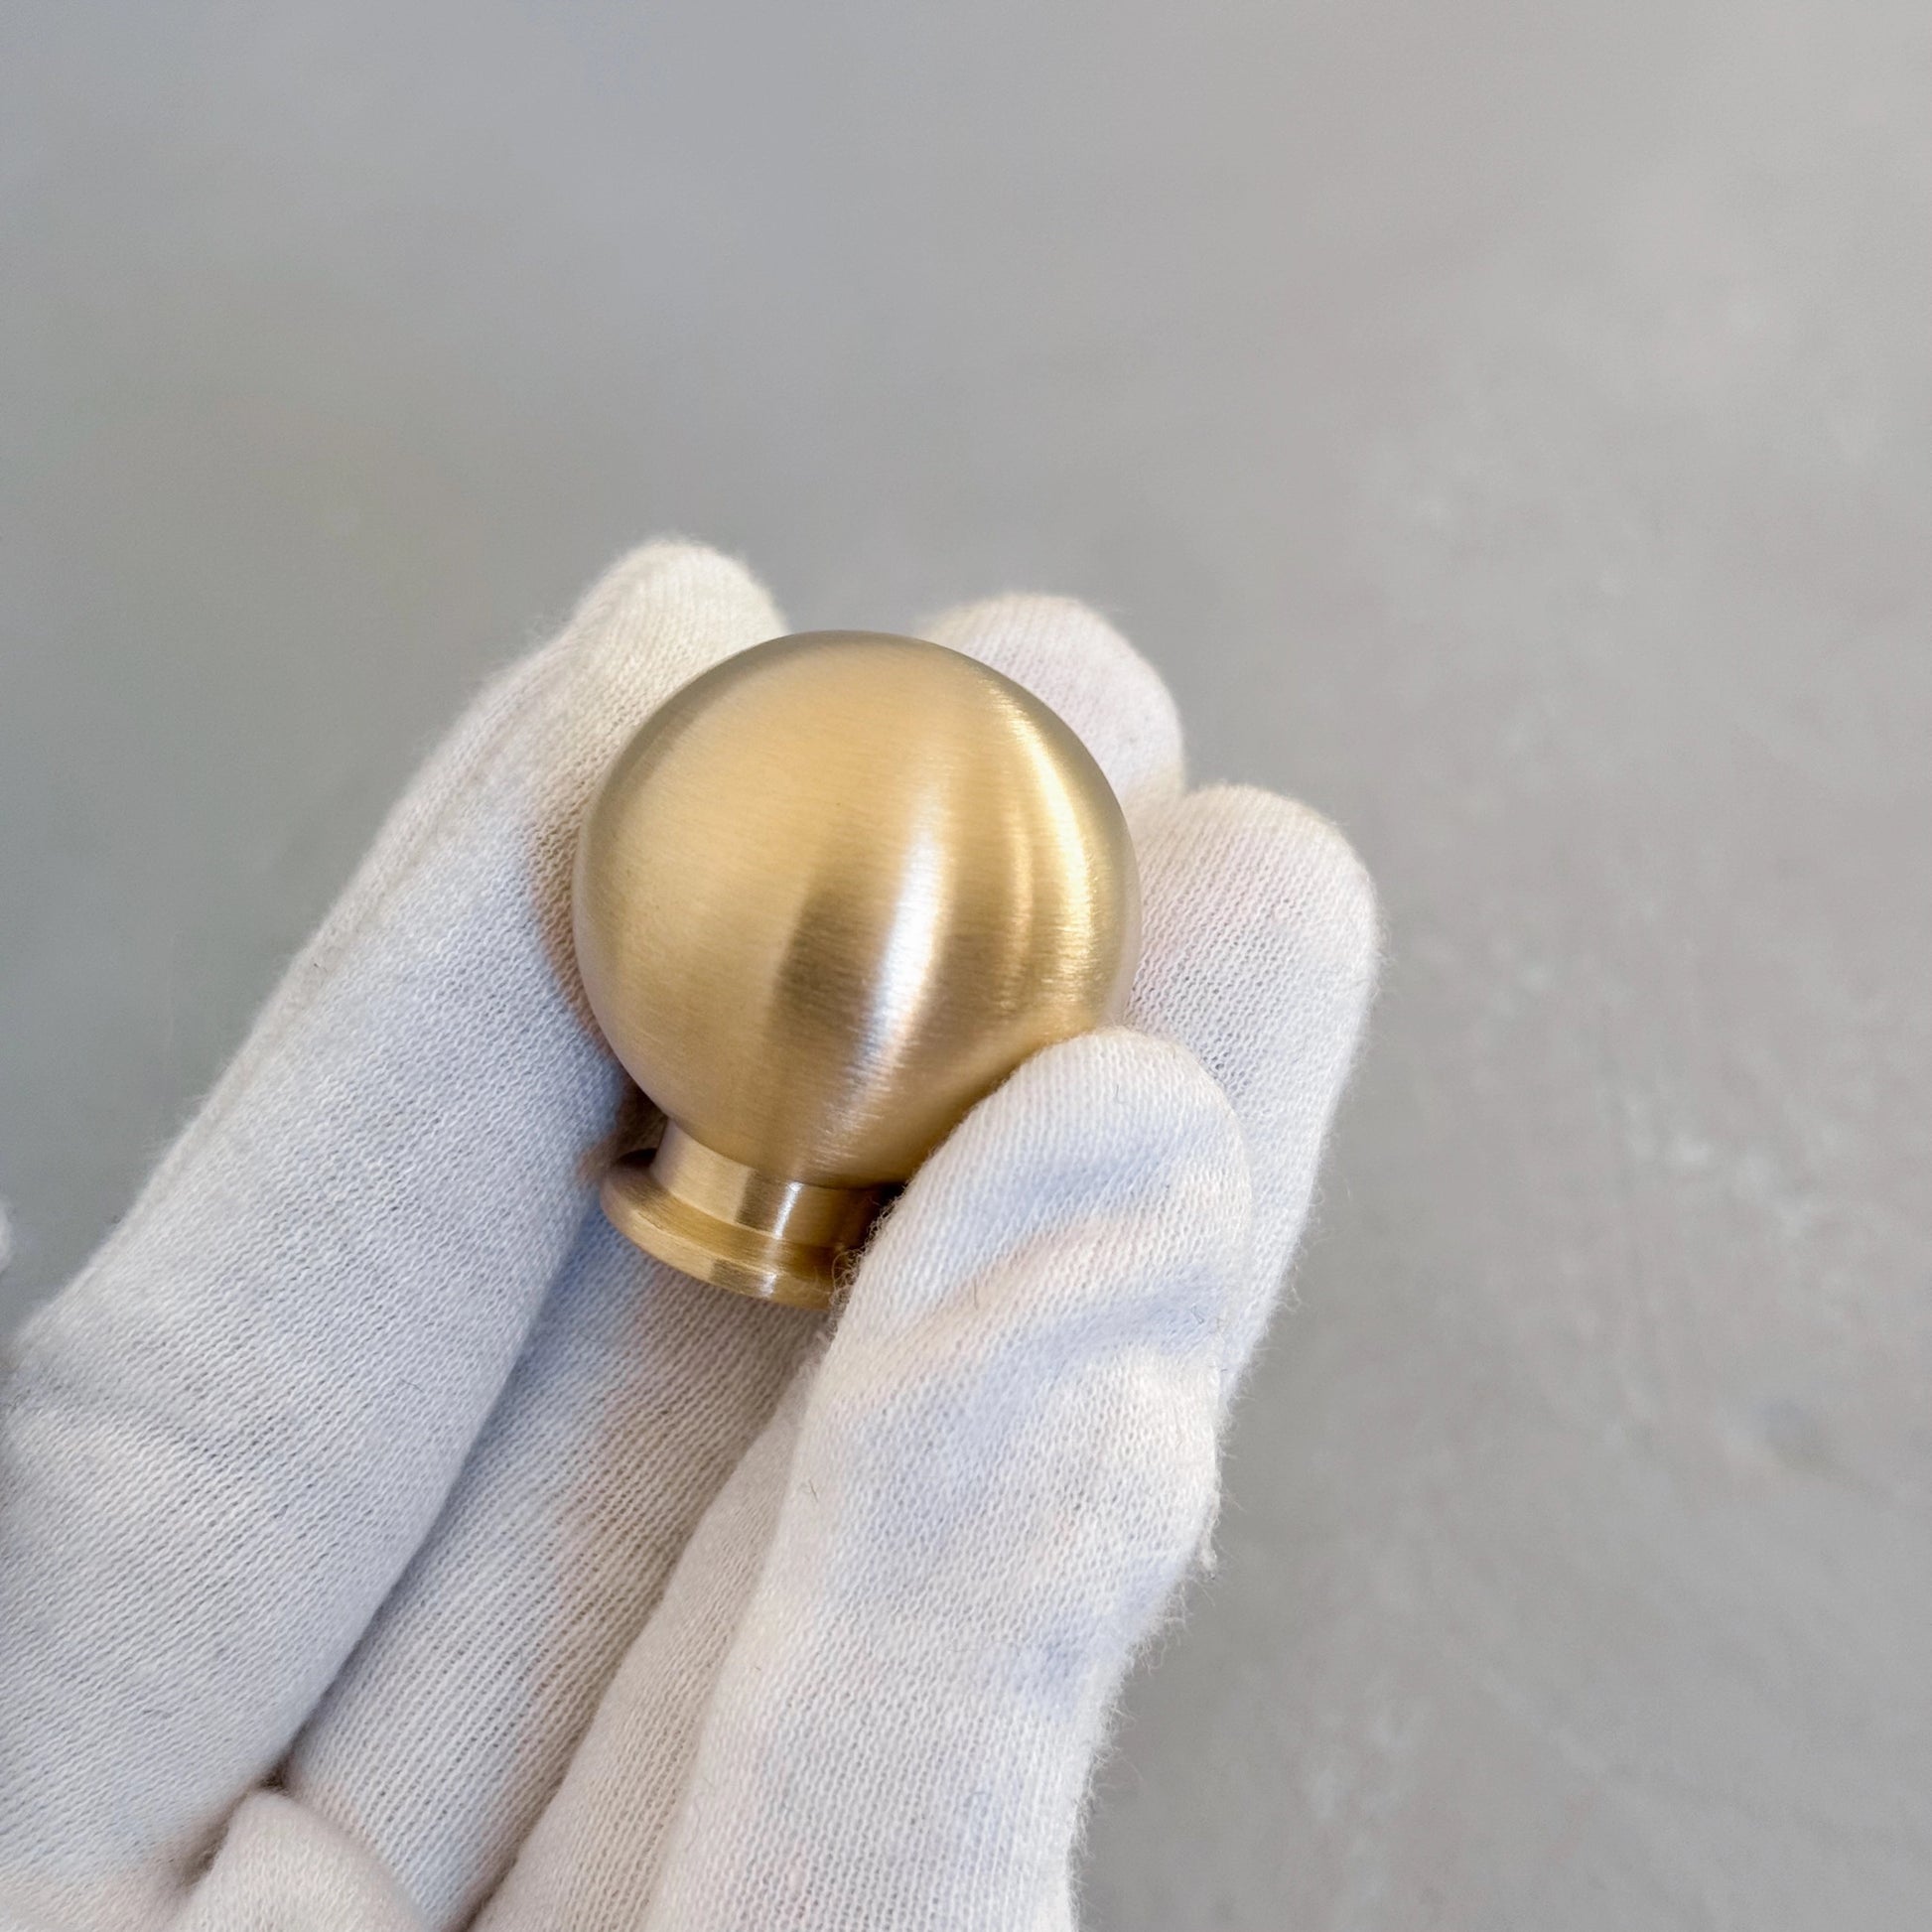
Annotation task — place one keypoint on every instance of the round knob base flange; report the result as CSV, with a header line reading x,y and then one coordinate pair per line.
x,y
736,1228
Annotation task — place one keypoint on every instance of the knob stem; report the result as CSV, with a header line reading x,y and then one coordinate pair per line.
x,y
732,1226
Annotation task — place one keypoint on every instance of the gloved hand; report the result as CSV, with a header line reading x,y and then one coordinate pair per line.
x,y
386,1543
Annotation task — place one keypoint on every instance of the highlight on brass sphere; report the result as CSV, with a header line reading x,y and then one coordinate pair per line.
x,y
829,896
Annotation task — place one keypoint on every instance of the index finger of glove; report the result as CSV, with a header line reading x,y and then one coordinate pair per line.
x,y
226,1439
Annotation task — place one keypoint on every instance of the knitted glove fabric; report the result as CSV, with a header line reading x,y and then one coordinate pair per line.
x,y
384,1542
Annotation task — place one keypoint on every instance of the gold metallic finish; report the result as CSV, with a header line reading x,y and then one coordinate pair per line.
x,y
829,896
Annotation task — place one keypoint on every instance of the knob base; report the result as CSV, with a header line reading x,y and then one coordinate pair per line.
x,y
736,1228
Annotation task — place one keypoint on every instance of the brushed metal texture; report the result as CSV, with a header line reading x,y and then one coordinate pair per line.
x,y
830,894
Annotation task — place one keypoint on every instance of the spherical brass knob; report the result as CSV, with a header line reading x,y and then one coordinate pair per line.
x,y
830,894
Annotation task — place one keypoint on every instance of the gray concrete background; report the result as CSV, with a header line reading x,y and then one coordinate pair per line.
x,y
1508,426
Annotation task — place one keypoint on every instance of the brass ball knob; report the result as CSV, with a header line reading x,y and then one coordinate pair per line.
x,y
831,894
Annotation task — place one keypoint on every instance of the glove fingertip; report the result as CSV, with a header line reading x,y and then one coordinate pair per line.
x,y
658,616
1257,908
1073,660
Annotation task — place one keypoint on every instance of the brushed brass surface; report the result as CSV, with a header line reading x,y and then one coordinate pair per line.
x,y
830,894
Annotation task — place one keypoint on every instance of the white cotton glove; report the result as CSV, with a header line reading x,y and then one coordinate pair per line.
x,y
386,1544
